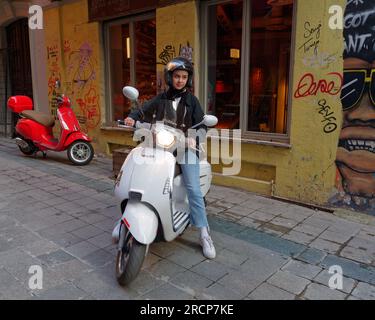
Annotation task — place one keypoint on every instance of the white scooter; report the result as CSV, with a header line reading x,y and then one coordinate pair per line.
x,y
153,198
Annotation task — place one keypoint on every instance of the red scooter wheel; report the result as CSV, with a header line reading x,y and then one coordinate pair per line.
x,y
80,152
29,150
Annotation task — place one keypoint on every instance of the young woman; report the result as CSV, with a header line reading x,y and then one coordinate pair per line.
x,y
178,107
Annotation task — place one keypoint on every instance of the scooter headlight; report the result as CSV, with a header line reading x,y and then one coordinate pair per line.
x,y
165,139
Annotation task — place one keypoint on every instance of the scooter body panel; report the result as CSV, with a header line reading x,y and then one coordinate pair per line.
x,y
34,131
205,174
147,176
75,136
141,221
68,119
122,184
134,179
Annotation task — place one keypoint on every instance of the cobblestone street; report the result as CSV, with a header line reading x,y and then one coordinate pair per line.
x,y
60,217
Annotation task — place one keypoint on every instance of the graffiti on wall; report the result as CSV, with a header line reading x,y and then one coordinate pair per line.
x,y
309,46
80,84
309,86
186,51
169,52
315,84
54,74
80,70
67,46
311,37
355,158
329,119
320,60
89,107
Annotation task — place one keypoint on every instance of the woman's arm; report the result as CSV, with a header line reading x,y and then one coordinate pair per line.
x,y
145,112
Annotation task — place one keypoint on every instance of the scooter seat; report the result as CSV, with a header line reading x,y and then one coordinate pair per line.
x,y
40,117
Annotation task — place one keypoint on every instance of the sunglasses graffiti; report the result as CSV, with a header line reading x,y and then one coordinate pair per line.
x,y
356,83
355,158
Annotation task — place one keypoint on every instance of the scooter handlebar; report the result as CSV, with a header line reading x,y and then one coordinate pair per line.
x,y
63,101
121,123
142,125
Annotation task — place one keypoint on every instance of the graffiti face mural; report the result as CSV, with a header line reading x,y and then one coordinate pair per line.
x,y
355,158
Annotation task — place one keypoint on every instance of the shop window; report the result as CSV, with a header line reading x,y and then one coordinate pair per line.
x,y
270,41
224,64
145,62
131,61
248,56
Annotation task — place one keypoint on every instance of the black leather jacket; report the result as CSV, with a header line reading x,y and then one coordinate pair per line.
x,y
189,112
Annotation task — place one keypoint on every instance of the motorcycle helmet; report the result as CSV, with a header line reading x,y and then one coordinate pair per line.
x,y
179,63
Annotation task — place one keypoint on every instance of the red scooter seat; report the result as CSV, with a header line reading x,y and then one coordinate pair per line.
x,y
40,117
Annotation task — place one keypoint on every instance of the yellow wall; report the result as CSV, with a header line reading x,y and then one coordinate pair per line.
x,y
312,169
177,34
74,57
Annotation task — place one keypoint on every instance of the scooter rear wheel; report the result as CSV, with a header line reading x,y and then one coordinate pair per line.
x,y
129,258
29,150
80,152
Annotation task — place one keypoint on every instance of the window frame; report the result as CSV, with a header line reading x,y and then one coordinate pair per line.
x,y
107,60
280,139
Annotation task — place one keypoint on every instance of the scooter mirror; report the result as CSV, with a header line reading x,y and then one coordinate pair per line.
x,y
209,120
130,92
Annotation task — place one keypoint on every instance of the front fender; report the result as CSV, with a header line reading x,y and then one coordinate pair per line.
x,y
141,221
76,136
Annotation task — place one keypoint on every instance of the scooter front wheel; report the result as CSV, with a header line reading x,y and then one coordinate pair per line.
x,y
129,258
80,152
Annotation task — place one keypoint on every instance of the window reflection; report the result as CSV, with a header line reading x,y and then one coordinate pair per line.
x,y
120,69
270,41
123,63
268,70
145,64
224,63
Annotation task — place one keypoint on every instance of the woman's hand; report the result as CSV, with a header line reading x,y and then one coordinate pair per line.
x,y
129,122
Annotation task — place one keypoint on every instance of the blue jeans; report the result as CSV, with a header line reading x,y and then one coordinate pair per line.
x,y
190,173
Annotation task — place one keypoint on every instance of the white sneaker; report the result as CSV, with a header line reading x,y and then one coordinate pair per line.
x,y
208,247
116,232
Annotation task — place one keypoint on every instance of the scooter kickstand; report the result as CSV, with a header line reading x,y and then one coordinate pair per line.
x,y
44,154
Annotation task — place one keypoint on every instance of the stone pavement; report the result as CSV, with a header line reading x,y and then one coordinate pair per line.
x,y
60,217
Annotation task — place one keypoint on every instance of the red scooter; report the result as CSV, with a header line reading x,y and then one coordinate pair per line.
x,y
34,130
